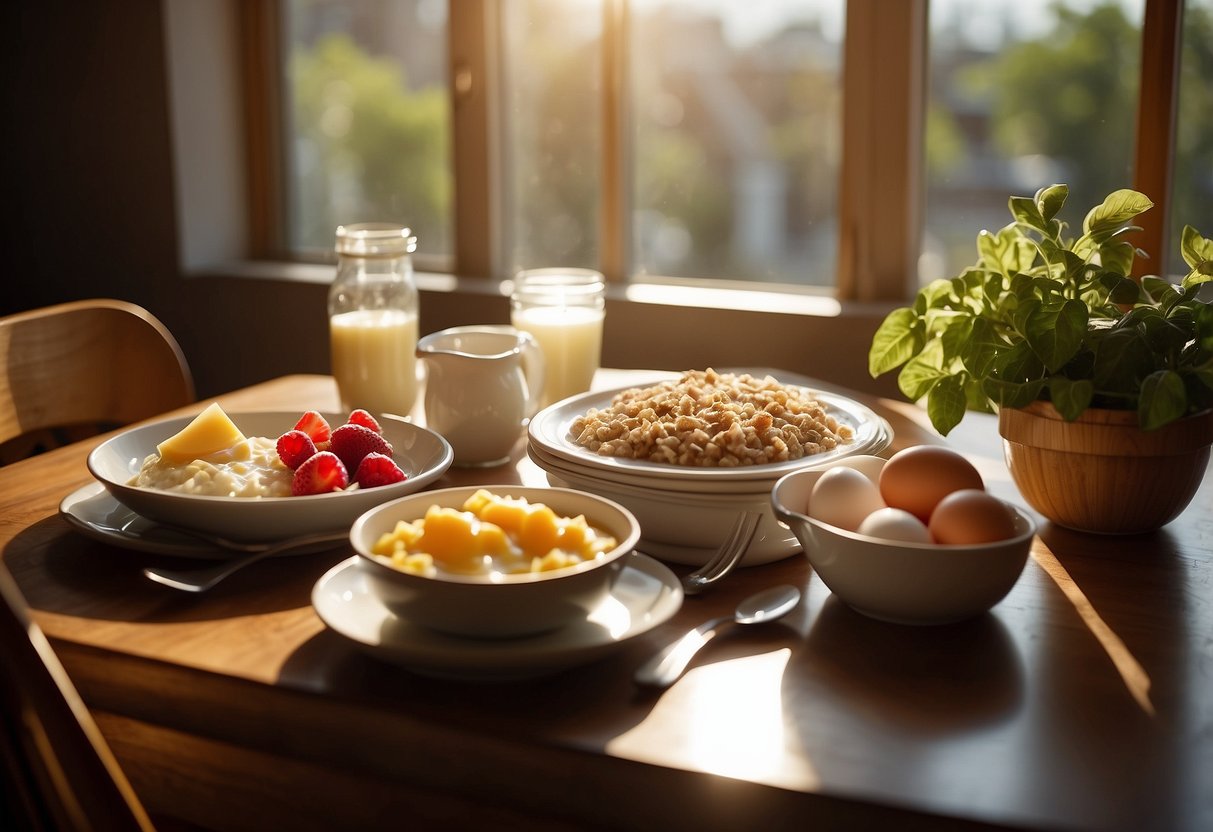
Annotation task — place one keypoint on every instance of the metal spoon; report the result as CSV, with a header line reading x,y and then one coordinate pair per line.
x,y
666,666
200,580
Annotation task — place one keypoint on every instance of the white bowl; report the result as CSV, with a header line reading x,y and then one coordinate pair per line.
x,y
423,455
511,605
687,528
905,583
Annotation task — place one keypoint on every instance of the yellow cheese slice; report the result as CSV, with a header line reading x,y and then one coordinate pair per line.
x,y
210,431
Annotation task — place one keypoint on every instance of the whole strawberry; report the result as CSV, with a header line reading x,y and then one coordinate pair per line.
x,y
321,473
294,448
352,442
378,469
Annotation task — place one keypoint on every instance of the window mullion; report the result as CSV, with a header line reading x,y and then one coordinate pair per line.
x,y
880,192
473,38
1161,31
614,209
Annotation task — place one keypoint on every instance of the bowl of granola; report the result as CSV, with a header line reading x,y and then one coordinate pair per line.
x,y
687,453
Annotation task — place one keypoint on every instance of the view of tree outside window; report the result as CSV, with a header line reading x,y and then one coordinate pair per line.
x,y
368,119
735,125
552,121
1192,200
736,143
1024,94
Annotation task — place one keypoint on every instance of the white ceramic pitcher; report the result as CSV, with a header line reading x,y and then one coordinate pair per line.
x,y
482,384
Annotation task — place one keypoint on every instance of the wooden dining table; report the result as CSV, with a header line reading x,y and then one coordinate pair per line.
x,y
1082,701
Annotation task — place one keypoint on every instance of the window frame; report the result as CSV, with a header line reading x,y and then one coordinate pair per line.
x,y
881,187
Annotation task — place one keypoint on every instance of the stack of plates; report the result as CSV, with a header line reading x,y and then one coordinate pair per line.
x,y
686,513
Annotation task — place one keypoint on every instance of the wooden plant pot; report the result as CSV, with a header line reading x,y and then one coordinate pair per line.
x,y
1102,473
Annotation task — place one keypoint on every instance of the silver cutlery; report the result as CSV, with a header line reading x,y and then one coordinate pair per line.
x,y
200,580
726,557
664,668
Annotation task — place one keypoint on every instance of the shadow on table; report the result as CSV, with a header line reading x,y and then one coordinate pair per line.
x,y
592,697
65,573
924,681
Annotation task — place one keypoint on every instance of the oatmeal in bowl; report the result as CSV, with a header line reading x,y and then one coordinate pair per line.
x,y
252,476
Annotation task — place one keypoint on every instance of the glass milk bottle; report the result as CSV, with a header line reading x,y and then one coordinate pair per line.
x,y
373,318
563,310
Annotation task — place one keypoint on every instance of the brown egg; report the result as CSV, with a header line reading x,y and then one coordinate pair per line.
x,y
917,478
971,516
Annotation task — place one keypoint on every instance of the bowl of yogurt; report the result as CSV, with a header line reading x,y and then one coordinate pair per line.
x,y
240,488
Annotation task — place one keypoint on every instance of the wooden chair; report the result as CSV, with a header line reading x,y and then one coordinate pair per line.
x,y
58,772
83,367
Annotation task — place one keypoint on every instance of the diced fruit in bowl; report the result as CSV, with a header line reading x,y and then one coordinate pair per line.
x,y
884,569
495,563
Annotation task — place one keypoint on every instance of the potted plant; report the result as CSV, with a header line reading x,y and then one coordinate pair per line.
x,y
1103,382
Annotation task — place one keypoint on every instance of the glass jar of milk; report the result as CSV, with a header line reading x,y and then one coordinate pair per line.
x,y
563,310
373,318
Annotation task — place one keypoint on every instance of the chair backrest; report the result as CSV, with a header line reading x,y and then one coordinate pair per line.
x,y
58,772
94,362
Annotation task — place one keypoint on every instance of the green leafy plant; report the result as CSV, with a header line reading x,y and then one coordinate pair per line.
x,y
1044,316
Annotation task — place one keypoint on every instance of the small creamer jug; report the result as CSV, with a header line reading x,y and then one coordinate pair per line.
x,y
482,384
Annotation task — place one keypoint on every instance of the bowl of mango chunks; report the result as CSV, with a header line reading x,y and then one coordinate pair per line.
x,y
494,562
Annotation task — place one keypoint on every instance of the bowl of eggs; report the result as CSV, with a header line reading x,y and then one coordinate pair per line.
x,y
914,539
500,563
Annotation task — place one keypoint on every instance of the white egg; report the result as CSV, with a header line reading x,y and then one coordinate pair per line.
x,y
843,497
895,524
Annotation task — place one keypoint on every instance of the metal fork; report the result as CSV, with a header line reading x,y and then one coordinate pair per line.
x,y
726,557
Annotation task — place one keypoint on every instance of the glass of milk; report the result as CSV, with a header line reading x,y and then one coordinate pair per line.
x,y
563,310
373,319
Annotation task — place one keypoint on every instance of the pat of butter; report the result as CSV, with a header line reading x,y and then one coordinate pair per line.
x,y
210,431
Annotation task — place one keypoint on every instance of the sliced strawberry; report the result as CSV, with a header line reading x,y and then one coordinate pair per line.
x,y
353,442
361,417
321,473
314,425
294,448
378,469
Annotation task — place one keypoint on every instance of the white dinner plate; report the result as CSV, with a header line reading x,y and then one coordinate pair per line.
x,y
549,430
94,512
645,595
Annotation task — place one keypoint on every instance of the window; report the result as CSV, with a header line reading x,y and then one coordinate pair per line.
x,y
1192,201
735,112
1024,94
367,119
708,140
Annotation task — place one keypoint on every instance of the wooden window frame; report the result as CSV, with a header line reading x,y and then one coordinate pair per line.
x,y
881,190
